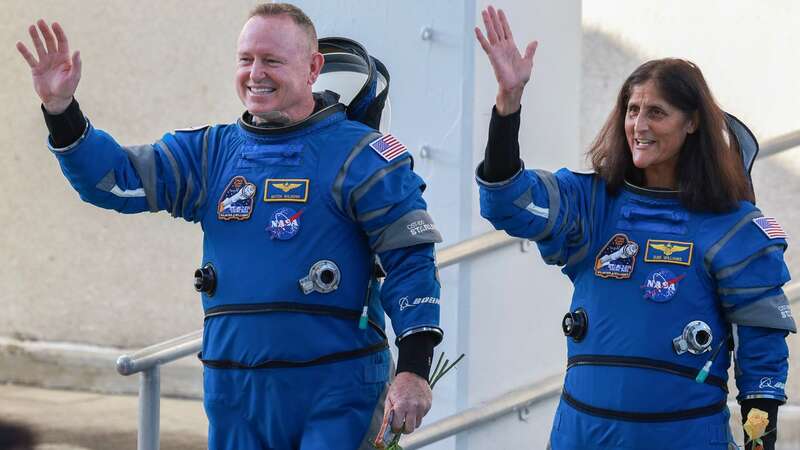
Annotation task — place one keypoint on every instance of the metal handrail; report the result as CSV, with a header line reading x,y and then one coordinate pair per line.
x,y
160,354
779,144
148,360
518,400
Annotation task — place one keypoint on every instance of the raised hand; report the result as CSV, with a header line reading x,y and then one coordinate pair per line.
x,y
55,73
511,69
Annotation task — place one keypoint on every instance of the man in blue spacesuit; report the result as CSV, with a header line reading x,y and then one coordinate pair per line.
x,y
672,264
302,211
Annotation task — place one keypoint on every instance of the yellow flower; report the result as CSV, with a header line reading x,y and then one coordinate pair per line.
x,y
756,424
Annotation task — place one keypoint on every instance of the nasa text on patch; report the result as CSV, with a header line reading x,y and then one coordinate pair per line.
x,y
284,224
669,252
661,285
236,202
617,258
388,147
286,190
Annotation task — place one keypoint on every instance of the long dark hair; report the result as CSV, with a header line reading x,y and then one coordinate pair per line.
x,y
710,172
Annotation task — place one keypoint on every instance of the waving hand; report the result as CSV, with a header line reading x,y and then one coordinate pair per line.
x,y
511,69
55,73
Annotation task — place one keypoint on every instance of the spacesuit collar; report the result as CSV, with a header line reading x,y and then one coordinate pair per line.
x,y
325,105
651,192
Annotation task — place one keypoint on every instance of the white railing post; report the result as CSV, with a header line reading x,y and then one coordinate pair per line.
x,y
149,409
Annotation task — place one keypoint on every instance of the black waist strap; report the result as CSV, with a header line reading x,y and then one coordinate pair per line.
x,y
643,363
261,308
280,364
644,417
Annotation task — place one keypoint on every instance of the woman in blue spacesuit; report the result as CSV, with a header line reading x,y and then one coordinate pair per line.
x,y
674,268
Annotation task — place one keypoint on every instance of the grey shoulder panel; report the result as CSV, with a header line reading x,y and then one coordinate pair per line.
x,y
771,312
731,270
176,173
143,159
415,227
338,182
367,216
714,249
584,249
360,191
108,182
554,198
201,198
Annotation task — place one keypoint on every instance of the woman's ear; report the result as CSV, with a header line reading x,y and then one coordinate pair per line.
x,y
694,121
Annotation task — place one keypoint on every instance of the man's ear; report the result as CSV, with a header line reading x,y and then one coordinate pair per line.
x,y
317,61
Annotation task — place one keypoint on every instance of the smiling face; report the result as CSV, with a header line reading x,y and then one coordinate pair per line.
x,y
655,131
276,68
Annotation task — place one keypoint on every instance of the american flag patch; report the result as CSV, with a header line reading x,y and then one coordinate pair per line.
x,y
770,227
388,147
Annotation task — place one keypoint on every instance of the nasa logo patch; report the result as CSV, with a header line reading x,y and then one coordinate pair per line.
x,y
617,258
661,285
236,202
284,224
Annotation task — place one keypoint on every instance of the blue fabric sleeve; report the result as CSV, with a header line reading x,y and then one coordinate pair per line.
x,y
762,363
385,199
749,271
168,175
410,293
554,210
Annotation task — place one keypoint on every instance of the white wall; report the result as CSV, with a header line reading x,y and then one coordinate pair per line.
x,y
747,50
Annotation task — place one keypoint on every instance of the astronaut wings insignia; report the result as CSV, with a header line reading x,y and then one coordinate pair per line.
x,y
286,187
670,249
669,252
286,190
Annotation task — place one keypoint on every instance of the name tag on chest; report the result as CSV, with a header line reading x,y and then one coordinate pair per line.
x,y
286,190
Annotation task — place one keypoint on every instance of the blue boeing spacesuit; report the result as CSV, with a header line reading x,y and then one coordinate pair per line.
x,y
293,217
658,292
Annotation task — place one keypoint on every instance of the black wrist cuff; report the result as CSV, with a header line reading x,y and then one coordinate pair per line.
x,y
415,353
770,406
501,159
65,128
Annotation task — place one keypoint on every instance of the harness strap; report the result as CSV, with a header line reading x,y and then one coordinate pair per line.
x,y
281,364
260,308
643,363
645,417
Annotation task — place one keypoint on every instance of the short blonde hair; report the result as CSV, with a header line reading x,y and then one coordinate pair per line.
x,y
296,14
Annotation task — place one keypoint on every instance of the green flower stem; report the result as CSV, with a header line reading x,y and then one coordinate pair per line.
x,y
439,371
758,439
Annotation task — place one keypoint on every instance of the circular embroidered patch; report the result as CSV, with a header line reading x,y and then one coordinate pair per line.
x,y
661,285
284,224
